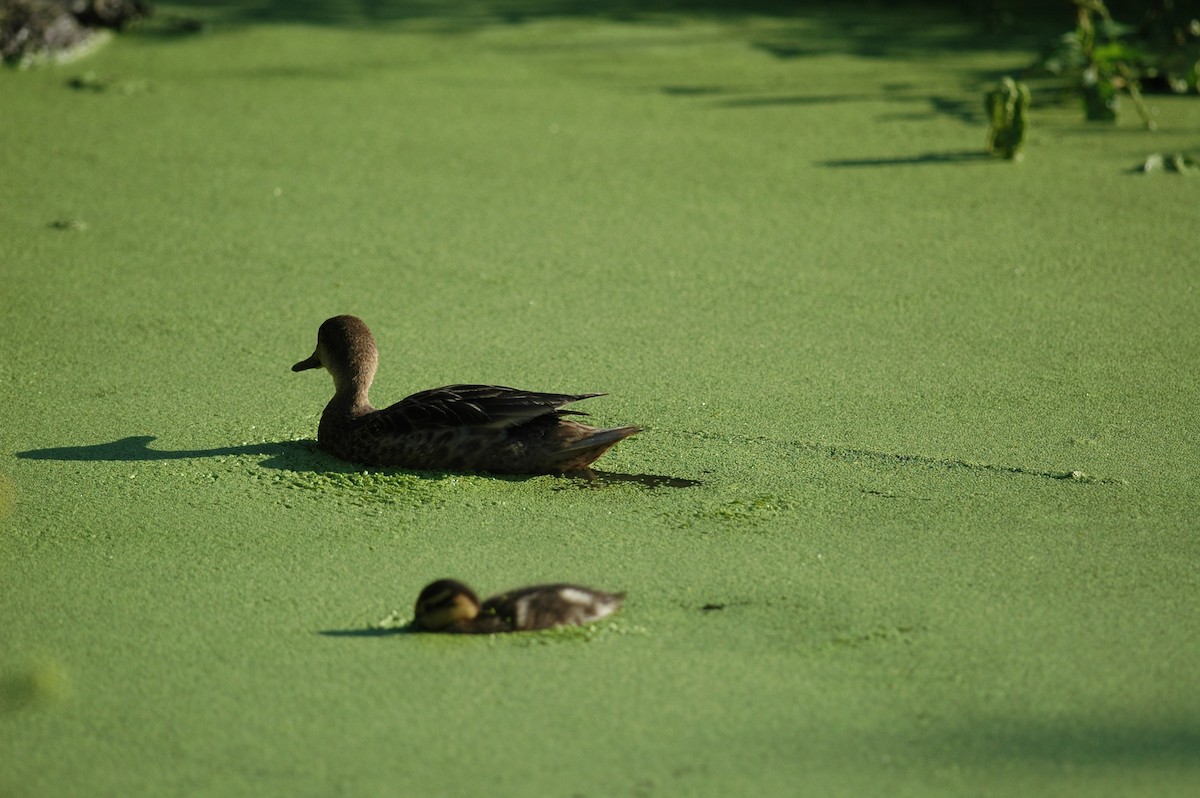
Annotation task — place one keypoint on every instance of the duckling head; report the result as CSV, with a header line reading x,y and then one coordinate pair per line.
x,y
346,349
443,604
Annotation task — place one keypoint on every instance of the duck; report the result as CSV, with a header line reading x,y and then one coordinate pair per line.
x,y
466,428
448,605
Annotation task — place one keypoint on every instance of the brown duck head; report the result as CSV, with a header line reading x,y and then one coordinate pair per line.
x,y
346,349
444,604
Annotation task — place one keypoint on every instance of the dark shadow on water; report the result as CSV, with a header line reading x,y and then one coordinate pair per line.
x,y
967,111
800,99
516,12
692,91
369,631
136,447
904,28
918,105
449,16
288,455
304,456
789,32
598,479
1081,743
961,156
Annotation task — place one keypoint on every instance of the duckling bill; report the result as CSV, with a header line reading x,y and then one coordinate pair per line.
x,y
455,428
448,605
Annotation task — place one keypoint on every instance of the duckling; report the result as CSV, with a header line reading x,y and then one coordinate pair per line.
x,y
448,605
456,428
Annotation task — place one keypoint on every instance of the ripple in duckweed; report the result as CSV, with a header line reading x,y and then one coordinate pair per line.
x,y
741,511
363,488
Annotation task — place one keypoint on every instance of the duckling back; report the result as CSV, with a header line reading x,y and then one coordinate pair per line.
x,y
544,607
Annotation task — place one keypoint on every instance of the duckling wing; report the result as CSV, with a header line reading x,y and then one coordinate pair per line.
x,y
492,406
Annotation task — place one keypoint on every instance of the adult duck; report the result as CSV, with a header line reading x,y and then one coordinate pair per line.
x,y
456,428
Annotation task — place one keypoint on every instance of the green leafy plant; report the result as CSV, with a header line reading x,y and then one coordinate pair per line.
x,y
1099,59
1007,107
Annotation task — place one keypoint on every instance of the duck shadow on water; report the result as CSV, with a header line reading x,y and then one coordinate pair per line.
x,y
370,631
284,455
304,456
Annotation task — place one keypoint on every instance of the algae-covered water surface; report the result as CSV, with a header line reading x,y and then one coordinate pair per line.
x,y
914,510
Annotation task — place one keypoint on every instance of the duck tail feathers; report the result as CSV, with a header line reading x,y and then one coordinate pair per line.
x,y
602,439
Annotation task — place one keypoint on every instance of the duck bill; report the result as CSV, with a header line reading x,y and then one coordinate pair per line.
x,y
313,362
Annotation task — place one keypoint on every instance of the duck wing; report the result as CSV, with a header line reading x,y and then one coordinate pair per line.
x,y
487,406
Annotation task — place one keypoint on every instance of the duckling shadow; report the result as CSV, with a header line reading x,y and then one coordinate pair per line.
x,y
304,456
